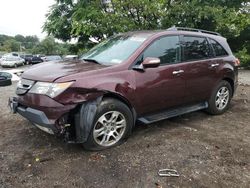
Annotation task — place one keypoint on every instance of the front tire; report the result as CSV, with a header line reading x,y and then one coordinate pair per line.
x,y
111,126
220,98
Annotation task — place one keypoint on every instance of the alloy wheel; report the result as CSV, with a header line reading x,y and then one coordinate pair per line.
x,y
222,98
109,128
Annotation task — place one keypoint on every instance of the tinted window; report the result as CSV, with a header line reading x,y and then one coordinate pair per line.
x,y
196,48
218,49
166,48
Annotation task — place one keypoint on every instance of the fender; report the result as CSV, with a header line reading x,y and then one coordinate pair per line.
x,y
84,119
86,88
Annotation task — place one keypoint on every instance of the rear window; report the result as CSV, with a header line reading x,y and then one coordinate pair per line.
x,y
196,48
218,49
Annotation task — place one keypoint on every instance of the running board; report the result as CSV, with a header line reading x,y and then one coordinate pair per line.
x,y
172,113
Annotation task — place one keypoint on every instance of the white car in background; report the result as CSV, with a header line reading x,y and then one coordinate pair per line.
x,y
12,61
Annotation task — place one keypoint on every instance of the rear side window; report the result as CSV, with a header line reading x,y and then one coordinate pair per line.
x,y
196,48
218,49
167,49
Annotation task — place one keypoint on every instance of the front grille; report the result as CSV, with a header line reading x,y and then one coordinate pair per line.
x,y
24,86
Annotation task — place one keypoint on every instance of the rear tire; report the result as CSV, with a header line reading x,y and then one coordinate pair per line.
x,y
220,98
112,124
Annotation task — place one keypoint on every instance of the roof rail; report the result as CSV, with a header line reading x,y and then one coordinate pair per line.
x,y
192,29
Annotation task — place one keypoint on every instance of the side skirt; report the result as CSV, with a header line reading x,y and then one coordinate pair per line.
x,y
172,113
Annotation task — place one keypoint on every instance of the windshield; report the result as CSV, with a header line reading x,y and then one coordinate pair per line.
x,y
114,50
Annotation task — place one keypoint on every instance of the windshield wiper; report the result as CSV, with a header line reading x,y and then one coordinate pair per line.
x,y
92,60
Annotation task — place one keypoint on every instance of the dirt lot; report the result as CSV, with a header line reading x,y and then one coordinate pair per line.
x,y
207,151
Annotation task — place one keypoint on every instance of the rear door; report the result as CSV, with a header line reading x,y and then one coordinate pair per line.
x,y
201,67
162,87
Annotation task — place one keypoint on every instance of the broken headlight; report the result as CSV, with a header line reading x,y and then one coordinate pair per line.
x,y
50,89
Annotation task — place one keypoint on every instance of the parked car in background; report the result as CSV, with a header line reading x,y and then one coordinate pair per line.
x,y
35,59
52,58
70,57
144,76
27,58
41,56
12,61
5,79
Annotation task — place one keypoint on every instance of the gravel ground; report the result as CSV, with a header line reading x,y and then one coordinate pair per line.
x,y
207,151
244,76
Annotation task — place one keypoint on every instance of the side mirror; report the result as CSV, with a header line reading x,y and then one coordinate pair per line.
x,y
151,62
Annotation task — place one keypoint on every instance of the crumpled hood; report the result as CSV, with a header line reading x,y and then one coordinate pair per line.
x,y
50,71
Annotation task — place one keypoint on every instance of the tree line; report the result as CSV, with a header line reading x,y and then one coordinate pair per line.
x,y
98,19
32,45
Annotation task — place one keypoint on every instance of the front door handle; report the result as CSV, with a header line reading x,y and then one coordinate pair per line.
x,y
178,72
214,65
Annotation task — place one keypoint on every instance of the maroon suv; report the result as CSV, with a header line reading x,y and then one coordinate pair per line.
x,y
142,76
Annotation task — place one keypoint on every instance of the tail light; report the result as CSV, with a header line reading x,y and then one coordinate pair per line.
x,y
237,62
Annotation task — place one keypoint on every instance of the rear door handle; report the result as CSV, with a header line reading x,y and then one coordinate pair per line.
x,y
214,65
178,72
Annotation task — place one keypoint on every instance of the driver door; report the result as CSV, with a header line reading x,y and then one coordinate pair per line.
x,y
164,86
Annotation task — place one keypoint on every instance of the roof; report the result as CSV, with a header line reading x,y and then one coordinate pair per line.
x,y
174,30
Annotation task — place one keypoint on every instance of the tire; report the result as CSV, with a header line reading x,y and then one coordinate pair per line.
x,y
223,95
109,108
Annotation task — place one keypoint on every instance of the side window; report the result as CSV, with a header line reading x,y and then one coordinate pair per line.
x,y
196,48
167,49
218,49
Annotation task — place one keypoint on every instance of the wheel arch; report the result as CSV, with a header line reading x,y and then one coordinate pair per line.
x,y
123,100
231,82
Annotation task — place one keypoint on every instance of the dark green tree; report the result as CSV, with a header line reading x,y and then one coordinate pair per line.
x,y
49,46
84,19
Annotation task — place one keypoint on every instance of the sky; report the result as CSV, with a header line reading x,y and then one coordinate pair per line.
x,y
25,17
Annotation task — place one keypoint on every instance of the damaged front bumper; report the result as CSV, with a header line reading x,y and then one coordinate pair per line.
x,y
37,117
74,124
